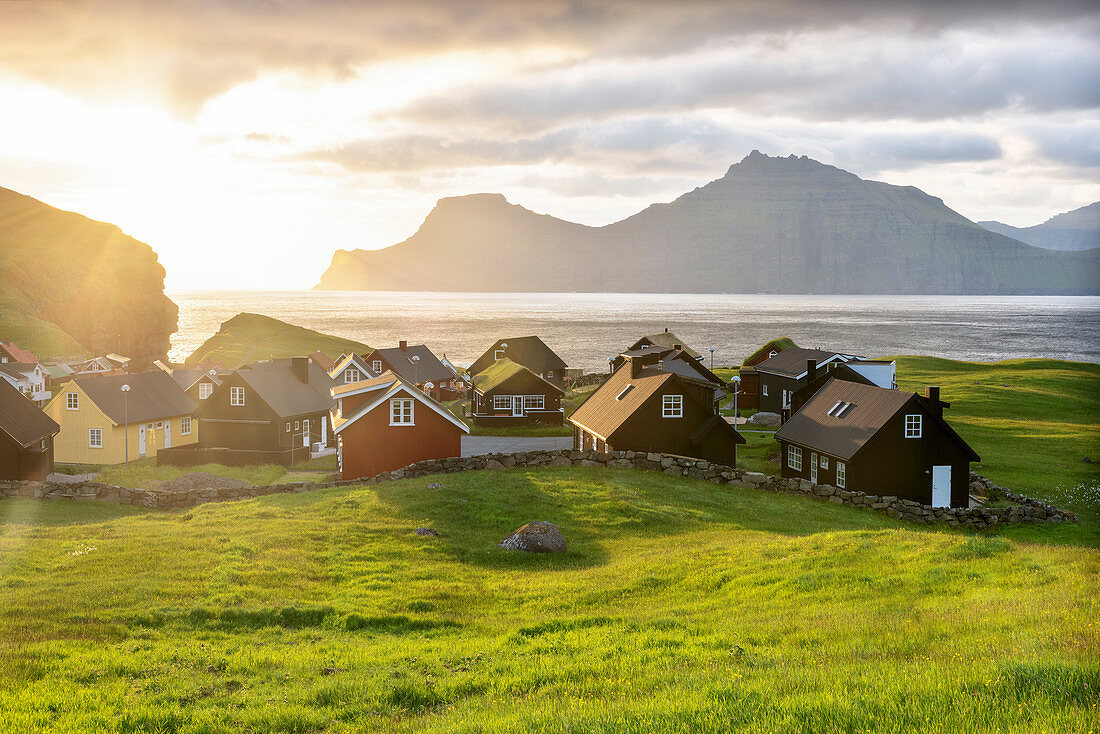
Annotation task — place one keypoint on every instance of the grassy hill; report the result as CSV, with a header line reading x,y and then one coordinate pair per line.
x,y
680,606
250,337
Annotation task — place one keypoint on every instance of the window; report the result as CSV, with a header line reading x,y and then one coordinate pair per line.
x,y
672,406
502,402
550,375
625,392
794,458
288,426
841,474
401,412
912,426
185,426
824,462
297,425
377,364
772,353
236,396
95,438
205,388
351,375
764,390
72,401
498,353
534,402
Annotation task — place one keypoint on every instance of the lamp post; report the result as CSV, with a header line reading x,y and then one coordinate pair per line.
x,y
736,382
712,358
415,359
126,423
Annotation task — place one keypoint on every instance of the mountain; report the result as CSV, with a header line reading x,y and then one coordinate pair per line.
x,y
771,224
72,285
1075,230
252,337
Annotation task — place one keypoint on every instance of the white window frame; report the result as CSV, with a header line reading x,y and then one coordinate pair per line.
x,y
206,389
288,426
352,375
401,412
550,375
794,457
377,364
672,406
841,474
72,401
534,402
824,461
95,438
297,426
236,396
502,402
185,425
913,425
498,354
764,390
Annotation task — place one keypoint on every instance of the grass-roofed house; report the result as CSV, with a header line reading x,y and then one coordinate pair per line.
x,y
26,437
879,441
507,393
529,351
649,408
749,395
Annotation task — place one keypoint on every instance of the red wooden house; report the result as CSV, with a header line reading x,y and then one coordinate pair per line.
x,y
386,422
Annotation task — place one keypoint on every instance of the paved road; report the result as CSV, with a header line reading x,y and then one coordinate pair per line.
x,y
476,445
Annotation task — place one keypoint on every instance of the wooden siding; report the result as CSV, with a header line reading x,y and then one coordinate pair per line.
x,y
16,462
371,445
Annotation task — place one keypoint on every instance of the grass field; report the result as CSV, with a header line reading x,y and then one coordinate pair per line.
x,y
680,607
145,474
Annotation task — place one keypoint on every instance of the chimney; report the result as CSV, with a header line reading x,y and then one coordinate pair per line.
x,y
635,367
300,367
404,345
811,370
932,393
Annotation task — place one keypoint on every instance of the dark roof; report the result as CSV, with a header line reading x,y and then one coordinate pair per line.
x,y
529,351
871,408
18,369
428,369
187,378
277,385
792,361
503,370
153,395
665,339
21,419
839,372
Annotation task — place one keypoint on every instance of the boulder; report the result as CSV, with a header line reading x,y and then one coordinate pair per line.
x,y
535,537
764,418
427,531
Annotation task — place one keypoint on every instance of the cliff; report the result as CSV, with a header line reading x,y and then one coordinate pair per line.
x,y
1075,230
251,337
778,225
69,284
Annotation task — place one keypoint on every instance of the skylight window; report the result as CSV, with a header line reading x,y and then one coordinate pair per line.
x,y
624,393
841,409
845,410
833,410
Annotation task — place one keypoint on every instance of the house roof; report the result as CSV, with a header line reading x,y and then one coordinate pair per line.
x,y
387,385
21,419
18,370
666,339
277,385
530,351
791,362
503,370
18,353
59,369
780,344
187,378
323,360
153,395
428,369
349,360
871,408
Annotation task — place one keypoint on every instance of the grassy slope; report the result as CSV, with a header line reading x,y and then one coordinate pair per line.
x,y
145,474
679,607
249,337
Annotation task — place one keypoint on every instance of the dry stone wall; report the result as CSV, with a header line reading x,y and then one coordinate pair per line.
x,y
1022,509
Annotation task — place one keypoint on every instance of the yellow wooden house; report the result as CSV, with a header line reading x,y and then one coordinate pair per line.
x,y
105,420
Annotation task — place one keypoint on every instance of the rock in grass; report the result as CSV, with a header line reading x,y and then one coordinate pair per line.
x,y
764,419
535,537
427,531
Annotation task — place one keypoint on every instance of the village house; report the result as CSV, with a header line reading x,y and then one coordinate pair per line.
x,y
350,368
417,365
781,376
268,412
665,339
749,393
323,361
880,373
529,351
29,378
199,384
879,441
12,352
507,393
26,437
107,419
386,422
648,408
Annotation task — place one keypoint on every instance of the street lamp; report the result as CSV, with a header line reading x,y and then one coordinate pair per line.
x,y
736,382
126,423
415,359
712,358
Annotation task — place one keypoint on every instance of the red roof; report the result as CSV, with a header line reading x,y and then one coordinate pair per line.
x,y
17,353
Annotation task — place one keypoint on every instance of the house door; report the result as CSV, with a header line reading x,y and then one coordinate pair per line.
x,y
517,406
141,440
941,486
305,434
786,398
813,467
324,429
167,434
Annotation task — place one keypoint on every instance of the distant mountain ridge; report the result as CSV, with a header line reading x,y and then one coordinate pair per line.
x,y
1075,230
771,224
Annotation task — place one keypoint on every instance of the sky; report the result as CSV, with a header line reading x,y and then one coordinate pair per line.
x,y
247,140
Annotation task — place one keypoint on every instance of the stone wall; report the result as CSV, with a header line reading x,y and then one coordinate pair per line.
x,y
1023,509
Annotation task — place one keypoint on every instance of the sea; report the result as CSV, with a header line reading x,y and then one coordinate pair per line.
x,y
586,329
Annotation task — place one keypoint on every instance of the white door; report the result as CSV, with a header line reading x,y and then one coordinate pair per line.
x,y
941,486
141,440
167,434
305,433
813,467
517,406
786,398
324,429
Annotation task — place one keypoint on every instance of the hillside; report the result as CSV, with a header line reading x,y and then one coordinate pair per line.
x,y
250,337
1075,230
776,225
679,607
71,285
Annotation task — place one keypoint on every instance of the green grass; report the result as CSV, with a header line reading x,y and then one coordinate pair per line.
x,y
145,474
249,337
680,607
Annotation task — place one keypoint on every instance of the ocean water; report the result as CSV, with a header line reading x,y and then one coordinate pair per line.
x,y
587,328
